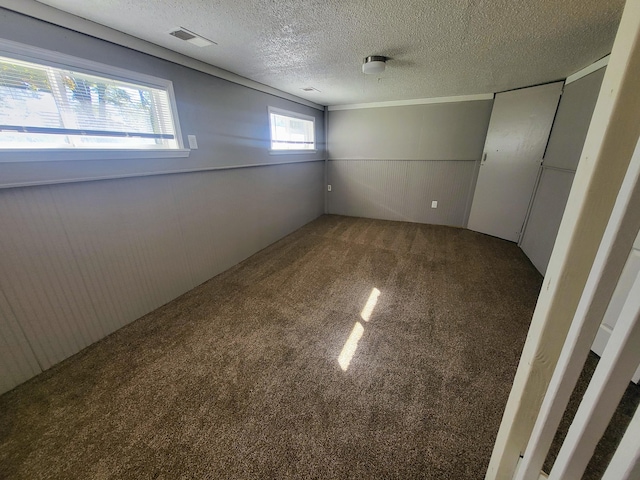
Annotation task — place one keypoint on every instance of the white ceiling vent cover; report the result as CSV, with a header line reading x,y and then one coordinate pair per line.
x,y
188,36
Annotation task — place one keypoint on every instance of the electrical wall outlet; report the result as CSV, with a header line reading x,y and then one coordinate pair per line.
x,y
434,204
328,188
193,143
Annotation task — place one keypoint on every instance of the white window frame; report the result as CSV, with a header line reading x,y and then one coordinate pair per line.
x,y
299,116
59,60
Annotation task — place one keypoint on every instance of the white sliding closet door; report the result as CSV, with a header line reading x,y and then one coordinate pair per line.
x,y
518,132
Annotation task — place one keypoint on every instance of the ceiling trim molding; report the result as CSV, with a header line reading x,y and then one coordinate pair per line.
x,y
52,15
603,62
416,101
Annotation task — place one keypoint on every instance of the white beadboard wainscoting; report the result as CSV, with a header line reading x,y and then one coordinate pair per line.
x,y
81,260
393,162
402,189
88,245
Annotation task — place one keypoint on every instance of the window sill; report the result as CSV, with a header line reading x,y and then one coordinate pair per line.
x,y
291,152
79,154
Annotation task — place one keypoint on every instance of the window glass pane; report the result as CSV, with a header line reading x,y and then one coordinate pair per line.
x,y
25,96
48,107
291,133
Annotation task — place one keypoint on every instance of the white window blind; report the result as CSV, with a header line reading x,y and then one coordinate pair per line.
x,y
51,107
291,131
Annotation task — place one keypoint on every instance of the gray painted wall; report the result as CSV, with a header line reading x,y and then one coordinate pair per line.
x,y
572,121
558,168
80,260
392,162
229,121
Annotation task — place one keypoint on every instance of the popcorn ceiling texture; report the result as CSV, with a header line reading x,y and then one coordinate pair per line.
x,y
437,48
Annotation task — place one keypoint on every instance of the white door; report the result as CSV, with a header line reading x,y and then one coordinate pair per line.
x,y
518,132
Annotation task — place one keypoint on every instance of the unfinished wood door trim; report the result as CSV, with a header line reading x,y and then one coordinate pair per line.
x,y
609,145
601,399
609,263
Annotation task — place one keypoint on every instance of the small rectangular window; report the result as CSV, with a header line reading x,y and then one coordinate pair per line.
x,y
291,131
51,101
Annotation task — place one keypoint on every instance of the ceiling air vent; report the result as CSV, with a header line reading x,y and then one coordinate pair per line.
x,y
188,36
182,34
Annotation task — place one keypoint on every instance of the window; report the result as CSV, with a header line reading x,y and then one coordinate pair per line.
x,y
52,101
291,131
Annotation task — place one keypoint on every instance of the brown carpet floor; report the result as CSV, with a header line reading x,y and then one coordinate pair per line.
x,y
239,378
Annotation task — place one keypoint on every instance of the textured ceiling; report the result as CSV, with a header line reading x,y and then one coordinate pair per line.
x,y
437,47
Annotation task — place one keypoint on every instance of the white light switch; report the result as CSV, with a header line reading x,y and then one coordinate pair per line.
x,y
193,143
328,188
434,204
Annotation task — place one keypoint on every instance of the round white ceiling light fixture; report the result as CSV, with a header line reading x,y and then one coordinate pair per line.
x,y
374,64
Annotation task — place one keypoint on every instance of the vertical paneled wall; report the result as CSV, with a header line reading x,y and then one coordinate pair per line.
x,y
81,259
17,360
392,162
559,166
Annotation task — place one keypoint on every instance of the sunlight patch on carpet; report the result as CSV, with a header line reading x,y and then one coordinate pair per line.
x,y
350,347
371,304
